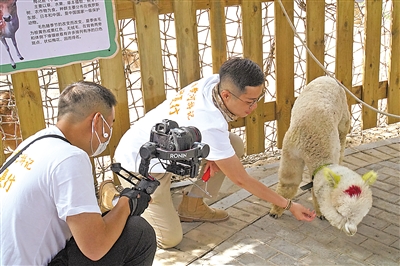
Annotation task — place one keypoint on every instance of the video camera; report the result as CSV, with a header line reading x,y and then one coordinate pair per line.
x,y
179,147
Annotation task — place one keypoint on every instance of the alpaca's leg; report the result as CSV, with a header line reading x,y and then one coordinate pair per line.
x,y
290,176
316,206
344,128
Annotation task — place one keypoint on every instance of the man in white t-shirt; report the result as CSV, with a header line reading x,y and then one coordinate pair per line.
x,y
49,211
208,104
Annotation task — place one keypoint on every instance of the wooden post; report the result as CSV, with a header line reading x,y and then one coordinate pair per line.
x,y
69,74
29,102
284,63
2,155
124,9
252,49
186,41
315,38
116,83
372,61
218,34
394,68
344,46
151,67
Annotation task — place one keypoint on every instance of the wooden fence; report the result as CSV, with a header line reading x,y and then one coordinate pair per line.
x,y
146,14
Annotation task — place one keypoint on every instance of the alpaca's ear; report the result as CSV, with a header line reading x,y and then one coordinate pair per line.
x,y
332,178
370,177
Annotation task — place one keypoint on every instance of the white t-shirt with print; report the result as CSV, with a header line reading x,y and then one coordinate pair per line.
x,y
49,181
191,106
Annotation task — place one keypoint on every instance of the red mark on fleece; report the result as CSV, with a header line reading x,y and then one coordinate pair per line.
x,y
353,191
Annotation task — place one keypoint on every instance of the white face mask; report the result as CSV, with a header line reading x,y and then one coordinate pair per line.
x,y
102,146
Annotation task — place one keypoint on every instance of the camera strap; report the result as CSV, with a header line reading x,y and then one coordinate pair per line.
x,y
11,160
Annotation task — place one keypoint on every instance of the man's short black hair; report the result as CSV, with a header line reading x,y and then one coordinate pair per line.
x,y
84,97
241,72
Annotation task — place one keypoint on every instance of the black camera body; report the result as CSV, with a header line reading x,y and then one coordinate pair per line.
x,y
180,146
167,135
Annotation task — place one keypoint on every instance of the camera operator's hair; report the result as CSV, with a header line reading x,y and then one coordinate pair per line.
x,y
241,72
82,98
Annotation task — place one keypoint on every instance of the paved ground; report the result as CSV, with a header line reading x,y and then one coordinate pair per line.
x,y
251,237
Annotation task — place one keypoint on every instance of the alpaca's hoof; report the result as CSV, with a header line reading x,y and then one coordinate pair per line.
x,y
274,215
321,217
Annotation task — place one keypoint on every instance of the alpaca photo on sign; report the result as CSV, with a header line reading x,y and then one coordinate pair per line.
x,y
316,138
9,24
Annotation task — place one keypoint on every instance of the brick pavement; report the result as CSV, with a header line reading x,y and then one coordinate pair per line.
x,y
251,237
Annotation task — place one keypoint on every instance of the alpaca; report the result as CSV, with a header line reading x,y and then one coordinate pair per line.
x,y
316,138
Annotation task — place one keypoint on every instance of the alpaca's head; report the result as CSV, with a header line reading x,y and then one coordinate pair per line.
x,y
349,196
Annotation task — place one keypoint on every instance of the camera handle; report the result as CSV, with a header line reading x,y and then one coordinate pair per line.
x,y
116,168
147,184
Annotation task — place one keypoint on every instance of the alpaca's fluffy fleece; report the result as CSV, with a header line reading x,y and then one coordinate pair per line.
x,y
316,137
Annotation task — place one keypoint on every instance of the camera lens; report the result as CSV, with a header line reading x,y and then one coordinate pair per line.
x,y
194,132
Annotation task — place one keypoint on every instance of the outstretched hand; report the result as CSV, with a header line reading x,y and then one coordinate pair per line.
x,y
302,213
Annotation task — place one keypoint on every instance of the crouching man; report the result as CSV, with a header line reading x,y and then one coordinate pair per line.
x,y
49,210
208,104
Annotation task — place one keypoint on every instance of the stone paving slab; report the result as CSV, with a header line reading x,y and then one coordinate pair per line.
x,y
251,237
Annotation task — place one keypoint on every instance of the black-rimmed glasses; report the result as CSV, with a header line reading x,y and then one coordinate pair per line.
x,y
250,104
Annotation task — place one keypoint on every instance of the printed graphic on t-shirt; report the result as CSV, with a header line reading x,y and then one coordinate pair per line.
x,y
176,102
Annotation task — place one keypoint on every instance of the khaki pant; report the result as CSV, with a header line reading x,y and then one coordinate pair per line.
x,y
161,213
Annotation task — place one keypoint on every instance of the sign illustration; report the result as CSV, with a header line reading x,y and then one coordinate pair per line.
x,y
39,33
